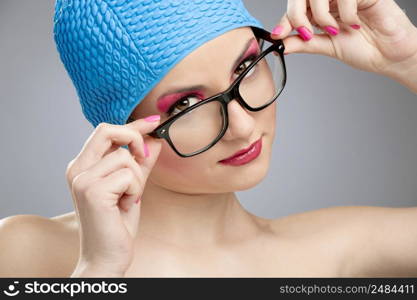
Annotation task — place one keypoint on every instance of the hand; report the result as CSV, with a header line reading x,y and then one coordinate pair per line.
x,y
105,182
385,43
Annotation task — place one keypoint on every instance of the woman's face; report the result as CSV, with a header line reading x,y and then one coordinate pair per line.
x,y
210,65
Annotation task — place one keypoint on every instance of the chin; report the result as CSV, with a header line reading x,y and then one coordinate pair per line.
x,y
247,182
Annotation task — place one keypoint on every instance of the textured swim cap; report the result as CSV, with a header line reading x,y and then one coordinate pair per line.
x,y
116,51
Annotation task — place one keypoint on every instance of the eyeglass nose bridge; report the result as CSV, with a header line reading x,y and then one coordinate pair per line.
x,y
231,94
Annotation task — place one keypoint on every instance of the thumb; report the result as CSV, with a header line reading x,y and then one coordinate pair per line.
x,y
319,44
154,145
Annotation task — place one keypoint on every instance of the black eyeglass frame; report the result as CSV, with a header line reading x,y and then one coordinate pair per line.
x,y
228,95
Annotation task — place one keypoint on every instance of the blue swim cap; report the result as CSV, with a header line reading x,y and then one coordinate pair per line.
x,y
116,51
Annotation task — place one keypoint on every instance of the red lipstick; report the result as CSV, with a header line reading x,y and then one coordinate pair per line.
x,y
245,155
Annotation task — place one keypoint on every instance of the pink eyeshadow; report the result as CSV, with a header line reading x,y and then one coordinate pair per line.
x,y
253,48
165,102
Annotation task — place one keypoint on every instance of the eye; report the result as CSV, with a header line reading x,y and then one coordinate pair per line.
x,y
182,104
245,64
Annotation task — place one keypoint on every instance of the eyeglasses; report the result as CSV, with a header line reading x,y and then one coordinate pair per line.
x,y
200,126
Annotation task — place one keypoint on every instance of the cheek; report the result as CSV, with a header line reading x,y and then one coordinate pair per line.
x,y
170,163
274,111
268,115
268,119
181,174
273,115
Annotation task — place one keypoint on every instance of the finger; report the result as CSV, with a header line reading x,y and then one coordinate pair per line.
x,y
321,44
127,201
105,135
118,159
296,12
138,125
131,216
123,185
321,15
109,136
348,12
144,125
317,28
282,29
154,146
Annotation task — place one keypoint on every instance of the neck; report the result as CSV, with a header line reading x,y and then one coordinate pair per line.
x,y
192,219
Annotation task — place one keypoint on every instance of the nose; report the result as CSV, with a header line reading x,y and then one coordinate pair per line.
x,y
241,123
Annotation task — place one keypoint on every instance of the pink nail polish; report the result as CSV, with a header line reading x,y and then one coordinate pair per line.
x,y
145,147
304,33
277,30
355,26
331,30
152,118
137,200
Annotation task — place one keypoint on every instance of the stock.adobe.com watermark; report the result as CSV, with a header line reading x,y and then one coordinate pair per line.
x,y
71,288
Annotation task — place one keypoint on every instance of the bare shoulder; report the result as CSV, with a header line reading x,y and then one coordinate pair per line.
x,y
319,219
333,219
318,241
36,246
366,240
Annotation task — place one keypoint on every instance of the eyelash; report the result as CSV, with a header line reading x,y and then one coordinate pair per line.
x,y
172,107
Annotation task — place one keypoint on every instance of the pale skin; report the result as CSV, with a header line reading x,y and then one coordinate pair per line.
x,y
189,221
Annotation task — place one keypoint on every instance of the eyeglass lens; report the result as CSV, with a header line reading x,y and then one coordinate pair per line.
x,y
198,128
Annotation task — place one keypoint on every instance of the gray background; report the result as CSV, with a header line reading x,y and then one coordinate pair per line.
x,y
344,137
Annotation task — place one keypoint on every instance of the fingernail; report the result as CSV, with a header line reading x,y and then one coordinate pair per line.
x,y
332,30
152,118
137,200
355,26
145,147
304,33
277,30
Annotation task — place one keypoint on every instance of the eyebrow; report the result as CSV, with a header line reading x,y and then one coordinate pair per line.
x,y
250,44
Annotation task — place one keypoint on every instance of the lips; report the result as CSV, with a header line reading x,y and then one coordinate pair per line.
x,y
240,152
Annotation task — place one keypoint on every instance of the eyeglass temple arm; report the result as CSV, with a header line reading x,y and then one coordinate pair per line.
x,y
266,35
154,134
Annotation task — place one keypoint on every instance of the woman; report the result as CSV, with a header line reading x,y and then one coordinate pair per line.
x,y
151,210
